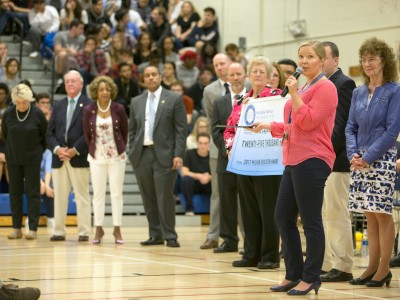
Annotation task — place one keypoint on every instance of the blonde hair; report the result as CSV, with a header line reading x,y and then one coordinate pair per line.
x,y
22,91
260,60
195,129
318,47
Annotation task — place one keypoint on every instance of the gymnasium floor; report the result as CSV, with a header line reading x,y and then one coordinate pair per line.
x,y
72,270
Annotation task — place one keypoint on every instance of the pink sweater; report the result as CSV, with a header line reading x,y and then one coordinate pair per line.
x,y
309,134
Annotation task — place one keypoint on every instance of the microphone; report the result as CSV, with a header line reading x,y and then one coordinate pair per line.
x,y
299,71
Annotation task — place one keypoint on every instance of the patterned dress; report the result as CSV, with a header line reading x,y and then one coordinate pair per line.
x,y
372,188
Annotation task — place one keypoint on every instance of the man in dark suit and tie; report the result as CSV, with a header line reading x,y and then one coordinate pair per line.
x,y
338,258
227,181
157,138
69,165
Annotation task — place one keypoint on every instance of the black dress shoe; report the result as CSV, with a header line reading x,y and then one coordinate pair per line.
x,y
244,263
152,241
83,238
173,243
268,265
335,275
225,247
314,286
361,281
395,262
284,288
378,283
57,238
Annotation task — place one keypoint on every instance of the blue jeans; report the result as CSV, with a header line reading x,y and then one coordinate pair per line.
x,y
8,16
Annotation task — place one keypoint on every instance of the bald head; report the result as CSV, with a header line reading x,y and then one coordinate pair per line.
x,y
236,77
221,64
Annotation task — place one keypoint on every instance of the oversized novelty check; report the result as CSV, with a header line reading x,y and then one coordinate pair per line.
x,y
258,154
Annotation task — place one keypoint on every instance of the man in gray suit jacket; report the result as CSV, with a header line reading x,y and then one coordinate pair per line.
x,y
215,90
157,138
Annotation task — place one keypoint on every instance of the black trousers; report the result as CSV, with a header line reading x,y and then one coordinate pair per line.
x,y
302,191
189,187
257,196
228,212
27,176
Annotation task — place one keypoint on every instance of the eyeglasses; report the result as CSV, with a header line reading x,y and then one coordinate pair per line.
x,y
369,61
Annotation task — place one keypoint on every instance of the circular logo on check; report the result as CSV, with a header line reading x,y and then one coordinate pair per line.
x,y
250,115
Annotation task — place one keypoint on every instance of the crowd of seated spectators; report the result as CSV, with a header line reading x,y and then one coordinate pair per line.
x,y
96,36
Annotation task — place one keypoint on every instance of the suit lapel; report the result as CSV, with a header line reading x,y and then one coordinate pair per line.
x,y
62,121
142,108
77,111
227,106
217,90
160,107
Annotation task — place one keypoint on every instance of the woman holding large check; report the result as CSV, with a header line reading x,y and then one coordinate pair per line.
x,y
257,194
308,157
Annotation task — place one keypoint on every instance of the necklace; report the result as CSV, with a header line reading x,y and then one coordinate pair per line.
x,y
104,110
27,114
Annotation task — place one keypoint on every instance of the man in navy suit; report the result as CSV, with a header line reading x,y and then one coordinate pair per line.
x,y
338,258
70,166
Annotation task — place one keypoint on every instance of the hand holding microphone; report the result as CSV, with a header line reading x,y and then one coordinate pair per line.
x,y
289,81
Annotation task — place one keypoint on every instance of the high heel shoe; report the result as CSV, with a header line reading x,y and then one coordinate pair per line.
x,y
362,281
314,286
117,235
284,288
376,283
99,236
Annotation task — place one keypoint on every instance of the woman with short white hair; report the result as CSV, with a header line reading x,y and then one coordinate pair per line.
x,y
24,130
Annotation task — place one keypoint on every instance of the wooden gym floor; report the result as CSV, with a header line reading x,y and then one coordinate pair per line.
x,y
72,270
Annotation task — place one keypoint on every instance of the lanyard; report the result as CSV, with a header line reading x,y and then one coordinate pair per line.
x,y
306,88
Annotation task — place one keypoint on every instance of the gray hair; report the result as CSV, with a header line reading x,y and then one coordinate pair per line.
x,y
76,73
260,60
22,91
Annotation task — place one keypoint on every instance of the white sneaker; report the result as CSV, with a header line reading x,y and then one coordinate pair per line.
x,y
189,213
34,54
50,223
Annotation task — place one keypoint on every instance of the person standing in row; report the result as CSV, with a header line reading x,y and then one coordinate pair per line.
x,y
215,90
371,134
70,167
229,212
24,130
338,258
157,137
309,118
105,125
257,194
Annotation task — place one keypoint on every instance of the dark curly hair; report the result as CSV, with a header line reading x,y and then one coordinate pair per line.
x,y
94,87
375,46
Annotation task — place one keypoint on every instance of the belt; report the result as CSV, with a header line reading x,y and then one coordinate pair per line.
x,y
148,146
